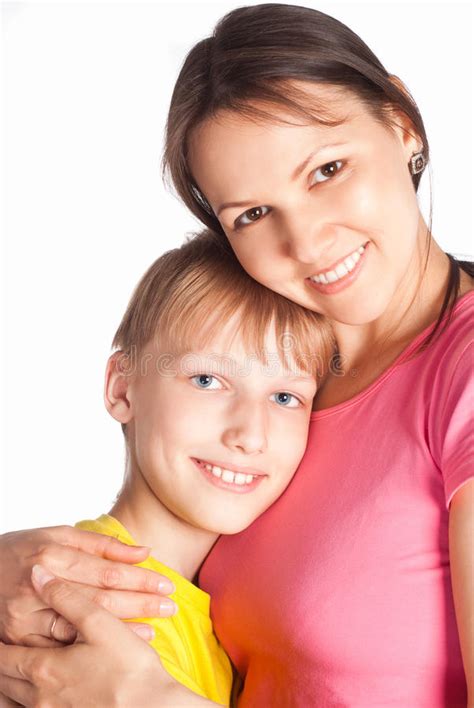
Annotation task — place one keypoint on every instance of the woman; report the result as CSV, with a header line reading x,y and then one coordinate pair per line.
x,y
287,136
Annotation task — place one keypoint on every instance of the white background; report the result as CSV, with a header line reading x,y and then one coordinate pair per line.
x,y
85,90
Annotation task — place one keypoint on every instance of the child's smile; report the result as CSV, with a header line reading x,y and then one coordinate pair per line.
x,y
229,478
241,423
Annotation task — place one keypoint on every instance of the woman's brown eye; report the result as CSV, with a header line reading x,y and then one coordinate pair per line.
x,y
254,214
251,216
329,169
325,172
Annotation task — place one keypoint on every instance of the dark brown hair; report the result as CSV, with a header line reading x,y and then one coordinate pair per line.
x,y
255,58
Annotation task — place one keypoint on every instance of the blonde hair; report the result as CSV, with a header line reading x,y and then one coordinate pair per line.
x,y
189,293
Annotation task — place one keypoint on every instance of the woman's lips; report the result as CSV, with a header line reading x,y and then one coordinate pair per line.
x,y
345,281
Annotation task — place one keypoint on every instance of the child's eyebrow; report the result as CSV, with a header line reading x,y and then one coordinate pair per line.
x,y
207,359
311,379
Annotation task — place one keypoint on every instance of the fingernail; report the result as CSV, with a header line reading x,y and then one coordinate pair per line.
x,y
145,631
41,576
143,548
166,587
168,608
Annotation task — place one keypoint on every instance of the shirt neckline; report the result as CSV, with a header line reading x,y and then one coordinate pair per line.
x,y
200,599
404,354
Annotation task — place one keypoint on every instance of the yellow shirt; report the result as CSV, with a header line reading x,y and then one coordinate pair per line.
x,y
186,643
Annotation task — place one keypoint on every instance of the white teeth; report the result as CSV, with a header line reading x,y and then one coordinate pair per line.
x,y
330,276
240,478
228,476
349,262
341,270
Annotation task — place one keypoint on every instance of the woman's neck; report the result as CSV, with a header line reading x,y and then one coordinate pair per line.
x,y
173,541
366,351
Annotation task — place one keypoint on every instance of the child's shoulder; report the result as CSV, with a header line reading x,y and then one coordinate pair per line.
x,y
108,526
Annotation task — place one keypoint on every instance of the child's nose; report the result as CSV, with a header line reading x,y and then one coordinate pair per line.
x,y
246,431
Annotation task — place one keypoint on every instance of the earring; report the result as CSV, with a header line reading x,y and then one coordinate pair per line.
x,y
417,163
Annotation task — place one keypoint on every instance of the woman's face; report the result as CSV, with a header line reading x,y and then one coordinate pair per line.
x,y
326,216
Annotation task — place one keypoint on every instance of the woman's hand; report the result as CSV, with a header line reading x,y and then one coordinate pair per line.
x,y
101,564
110,666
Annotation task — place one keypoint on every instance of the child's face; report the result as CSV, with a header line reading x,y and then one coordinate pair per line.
x,y
216,410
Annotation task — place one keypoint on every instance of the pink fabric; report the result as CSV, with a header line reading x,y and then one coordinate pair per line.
x,y
340,595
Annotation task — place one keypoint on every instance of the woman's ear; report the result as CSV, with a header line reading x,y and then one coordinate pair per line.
x,y
117,386
401,123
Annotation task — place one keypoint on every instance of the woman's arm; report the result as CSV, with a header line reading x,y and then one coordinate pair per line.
x,y
461,552
110,666
103,567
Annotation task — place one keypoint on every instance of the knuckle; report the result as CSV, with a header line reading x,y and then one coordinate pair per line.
x,y
48,554
91,623
16,623
58,591
40,671
110,577
43,702
150,581
12,611
151,607
105,600
57,532
109,543
10,634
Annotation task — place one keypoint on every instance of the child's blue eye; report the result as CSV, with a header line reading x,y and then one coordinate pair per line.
x,y
206,381
286,399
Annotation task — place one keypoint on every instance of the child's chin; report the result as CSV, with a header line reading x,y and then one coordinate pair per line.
x,y
231,526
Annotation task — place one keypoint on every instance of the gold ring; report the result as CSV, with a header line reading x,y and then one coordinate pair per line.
x,y
53,625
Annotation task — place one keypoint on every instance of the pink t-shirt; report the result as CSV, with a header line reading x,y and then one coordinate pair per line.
x,y
340,594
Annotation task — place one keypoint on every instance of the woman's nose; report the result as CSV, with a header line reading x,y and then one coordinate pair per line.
x,y
307,237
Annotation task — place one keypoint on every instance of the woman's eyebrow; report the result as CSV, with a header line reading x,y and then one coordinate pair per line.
x,y
294,176
229,205
313,154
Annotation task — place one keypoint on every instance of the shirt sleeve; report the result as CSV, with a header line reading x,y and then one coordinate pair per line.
x,y
453,424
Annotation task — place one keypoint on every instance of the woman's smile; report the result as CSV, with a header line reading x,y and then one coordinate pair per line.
x,y
341,275
316,224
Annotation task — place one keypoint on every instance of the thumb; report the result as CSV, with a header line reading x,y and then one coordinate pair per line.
x,y
90,620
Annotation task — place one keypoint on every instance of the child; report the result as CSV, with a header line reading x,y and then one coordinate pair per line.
x,y
213,381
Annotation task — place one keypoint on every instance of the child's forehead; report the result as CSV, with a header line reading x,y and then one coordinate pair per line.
x,y
223,349
220,338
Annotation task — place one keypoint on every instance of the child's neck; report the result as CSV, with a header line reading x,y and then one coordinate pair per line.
x,y
173,541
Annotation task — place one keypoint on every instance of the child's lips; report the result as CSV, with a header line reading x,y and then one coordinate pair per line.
x,y
238,482
233,468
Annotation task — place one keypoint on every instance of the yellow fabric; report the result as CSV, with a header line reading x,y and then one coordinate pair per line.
x,y
186,643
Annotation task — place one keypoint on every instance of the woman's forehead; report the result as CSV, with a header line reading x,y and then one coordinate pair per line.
x,y
321,105
230,148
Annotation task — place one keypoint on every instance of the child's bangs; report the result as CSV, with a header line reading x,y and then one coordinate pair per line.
x,y
242,308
